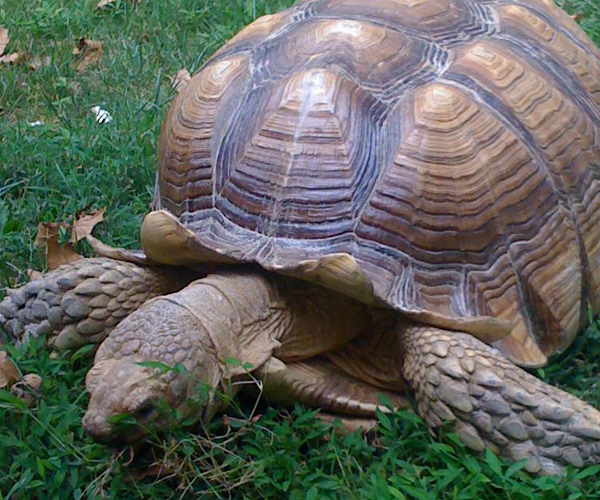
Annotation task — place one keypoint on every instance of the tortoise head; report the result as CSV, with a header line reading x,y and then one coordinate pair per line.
x,y
124,388
147,376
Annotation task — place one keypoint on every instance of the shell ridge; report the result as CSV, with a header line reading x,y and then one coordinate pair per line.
x,y
575,91
495,107
554,24
482,25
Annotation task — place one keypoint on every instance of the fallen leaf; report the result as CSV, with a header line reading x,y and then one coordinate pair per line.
x,y
48,236
10,58
181,79
85,223
28,389
39,62
33,275
4,38
7,58
56,254
104,3
91,51
8,371
48,231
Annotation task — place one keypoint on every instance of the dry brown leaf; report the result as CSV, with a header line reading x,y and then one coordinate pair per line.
x,y
33,275
10,58
181,79
28,389
7,58
4,38
48,236
91,51
104,3
48,231
8,371
85,223
47,239
39,62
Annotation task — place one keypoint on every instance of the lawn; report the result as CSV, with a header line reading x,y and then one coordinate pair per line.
x,y
70,163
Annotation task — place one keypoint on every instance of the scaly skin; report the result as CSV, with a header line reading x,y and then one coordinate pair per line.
x,y
251,316
246,315
318,383
80,303
495,404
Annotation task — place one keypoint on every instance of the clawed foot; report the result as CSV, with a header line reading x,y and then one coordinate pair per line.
x,y
497,405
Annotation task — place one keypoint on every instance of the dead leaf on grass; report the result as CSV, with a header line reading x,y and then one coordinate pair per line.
x,y
8,371
7,58
28,389
85,223
4,38
33,275
91,50
56,254
49,233
10,58
39,62
104,3
181,79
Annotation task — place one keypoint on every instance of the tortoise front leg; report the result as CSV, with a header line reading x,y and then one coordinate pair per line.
x,y
82,302
319,383
495,404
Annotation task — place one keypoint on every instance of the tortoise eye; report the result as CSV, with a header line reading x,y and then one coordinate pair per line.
x,y
145,410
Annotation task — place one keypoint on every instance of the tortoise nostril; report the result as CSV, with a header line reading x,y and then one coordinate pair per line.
x,y
96,428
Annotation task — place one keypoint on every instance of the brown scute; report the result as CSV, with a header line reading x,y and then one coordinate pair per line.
x,y
520,23
450,147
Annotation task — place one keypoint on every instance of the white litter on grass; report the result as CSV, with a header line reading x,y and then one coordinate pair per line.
x,y
102,116
36,123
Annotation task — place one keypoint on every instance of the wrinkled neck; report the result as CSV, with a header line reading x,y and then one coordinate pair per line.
x,y
223,326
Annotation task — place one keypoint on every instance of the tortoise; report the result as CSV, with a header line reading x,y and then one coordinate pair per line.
x,y
359,198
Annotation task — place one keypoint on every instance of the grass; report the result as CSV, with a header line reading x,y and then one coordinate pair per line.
x,y
70,164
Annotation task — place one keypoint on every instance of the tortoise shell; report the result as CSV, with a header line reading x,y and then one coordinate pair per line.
x,y
450,148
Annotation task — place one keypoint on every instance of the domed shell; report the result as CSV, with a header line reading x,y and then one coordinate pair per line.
x,y
447,149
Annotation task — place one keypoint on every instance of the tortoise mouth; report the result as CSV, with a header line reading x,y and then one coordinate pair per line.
x,y
153,417
114,435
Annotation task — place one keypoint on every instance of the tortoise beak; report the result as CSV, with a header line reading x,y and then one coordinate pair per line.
x,y
97,428
107,434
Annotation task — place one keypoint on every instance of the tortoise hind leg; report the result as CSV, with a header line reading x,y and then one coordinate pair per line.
x,y
81,302
494,404
318,383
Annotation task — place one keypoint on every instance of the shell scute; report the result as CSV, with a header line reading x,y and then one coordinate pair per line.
x,y
447,148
